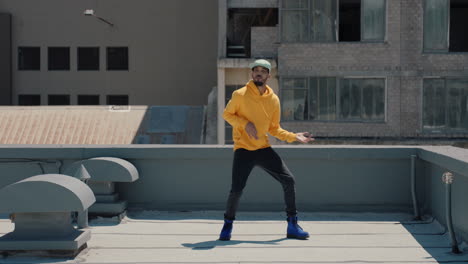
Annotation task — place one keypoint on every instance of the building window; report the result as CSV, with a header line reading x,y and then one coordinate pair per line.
x,y
88,99
117,100
294,99
445,104
227,96
322,99
117,58
361,99
239,28
88,59
59,58
29,58
295,21
29,99
333,99
444,26
332,20
350,20
458,20
59,99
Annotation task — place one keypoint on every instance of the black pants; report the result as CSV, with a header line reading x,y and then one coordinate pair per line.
x,y
268,160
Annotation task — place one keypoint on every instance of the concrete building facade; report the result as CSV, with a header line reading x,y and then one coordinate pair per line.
x,y
148,52
358,68
395,69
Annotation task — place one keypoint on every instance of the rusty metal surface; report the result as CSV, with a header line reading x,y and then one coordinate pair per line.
x,y
70,124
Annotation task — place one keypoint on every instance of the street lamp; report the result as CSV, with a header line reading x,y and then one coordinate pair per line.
x,y
90,12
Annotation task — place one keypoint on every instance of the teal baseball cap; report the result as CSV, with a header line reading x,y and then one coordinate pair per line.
x,y
262,63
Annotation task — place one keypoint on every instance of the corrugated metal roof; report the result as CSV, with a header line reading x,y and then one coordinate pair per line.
x,y
71,124
100,124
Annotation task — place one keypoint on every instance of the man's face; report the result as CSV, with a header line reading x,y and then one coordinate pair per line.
x,y
260,75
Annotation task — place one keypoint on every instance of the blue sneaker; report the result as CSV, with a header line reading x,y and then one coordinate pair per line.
x,y
294,230
226,231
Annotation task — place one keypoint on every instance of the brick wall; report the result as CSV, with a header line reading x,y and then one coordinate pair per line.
x,y
264,42
400,59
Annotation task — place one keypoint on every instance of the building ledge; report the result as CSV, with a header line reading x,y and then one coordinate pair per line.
x,y
239,63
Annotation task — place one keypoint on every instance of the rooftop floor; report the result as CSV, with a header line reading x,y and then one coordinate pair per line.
x,y
259,237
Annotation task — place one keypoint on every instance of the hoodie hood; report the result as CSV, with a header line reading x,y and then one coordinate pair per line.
x,y
252,88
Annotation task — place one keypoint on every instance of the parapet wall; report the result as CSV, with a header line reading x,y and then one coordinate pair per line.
x,y
329,178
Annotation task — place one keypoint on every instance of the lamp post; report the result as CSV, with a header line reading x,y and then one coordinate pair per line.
x,y
90,12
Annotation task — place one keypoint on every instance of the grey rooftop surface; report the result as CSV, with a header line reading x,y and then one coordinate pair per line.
x,y
259,237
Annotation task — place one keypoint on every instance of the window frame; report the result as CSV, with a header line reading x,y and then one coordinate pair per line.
x,y
446,129
337,25
338,79
447,36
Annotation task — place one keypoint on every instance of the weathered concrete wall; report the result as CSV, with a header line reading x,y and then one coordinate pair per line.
x,y
198,177
331,178
172,48
430,175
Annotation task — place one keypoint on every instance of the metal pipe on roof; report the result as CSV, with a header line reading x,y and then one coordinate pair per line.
x,y
447,178
417,216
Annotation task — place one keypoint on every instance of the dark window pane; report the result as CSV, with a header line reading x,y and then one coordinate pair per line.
x,y
88,99
29,99
117,100
59,59
323,20
345,99
362,99
322,99
313,98
434,104
350,20
355,96
435,25
29,58
59,99
117,58
327,99
458,22
457,112
88,59
373,14
294,101
373,96
294,105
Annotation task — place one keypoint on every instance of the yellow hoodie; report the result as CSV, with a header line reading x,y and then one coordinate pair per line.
x,y
247,105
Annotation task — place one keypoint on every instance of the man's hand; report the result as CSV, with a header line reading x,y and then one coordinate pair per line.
x,y
304,137
251,130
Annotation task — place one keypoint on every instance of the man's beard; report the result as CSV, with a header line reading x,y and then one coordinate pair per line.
x,y
258,83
